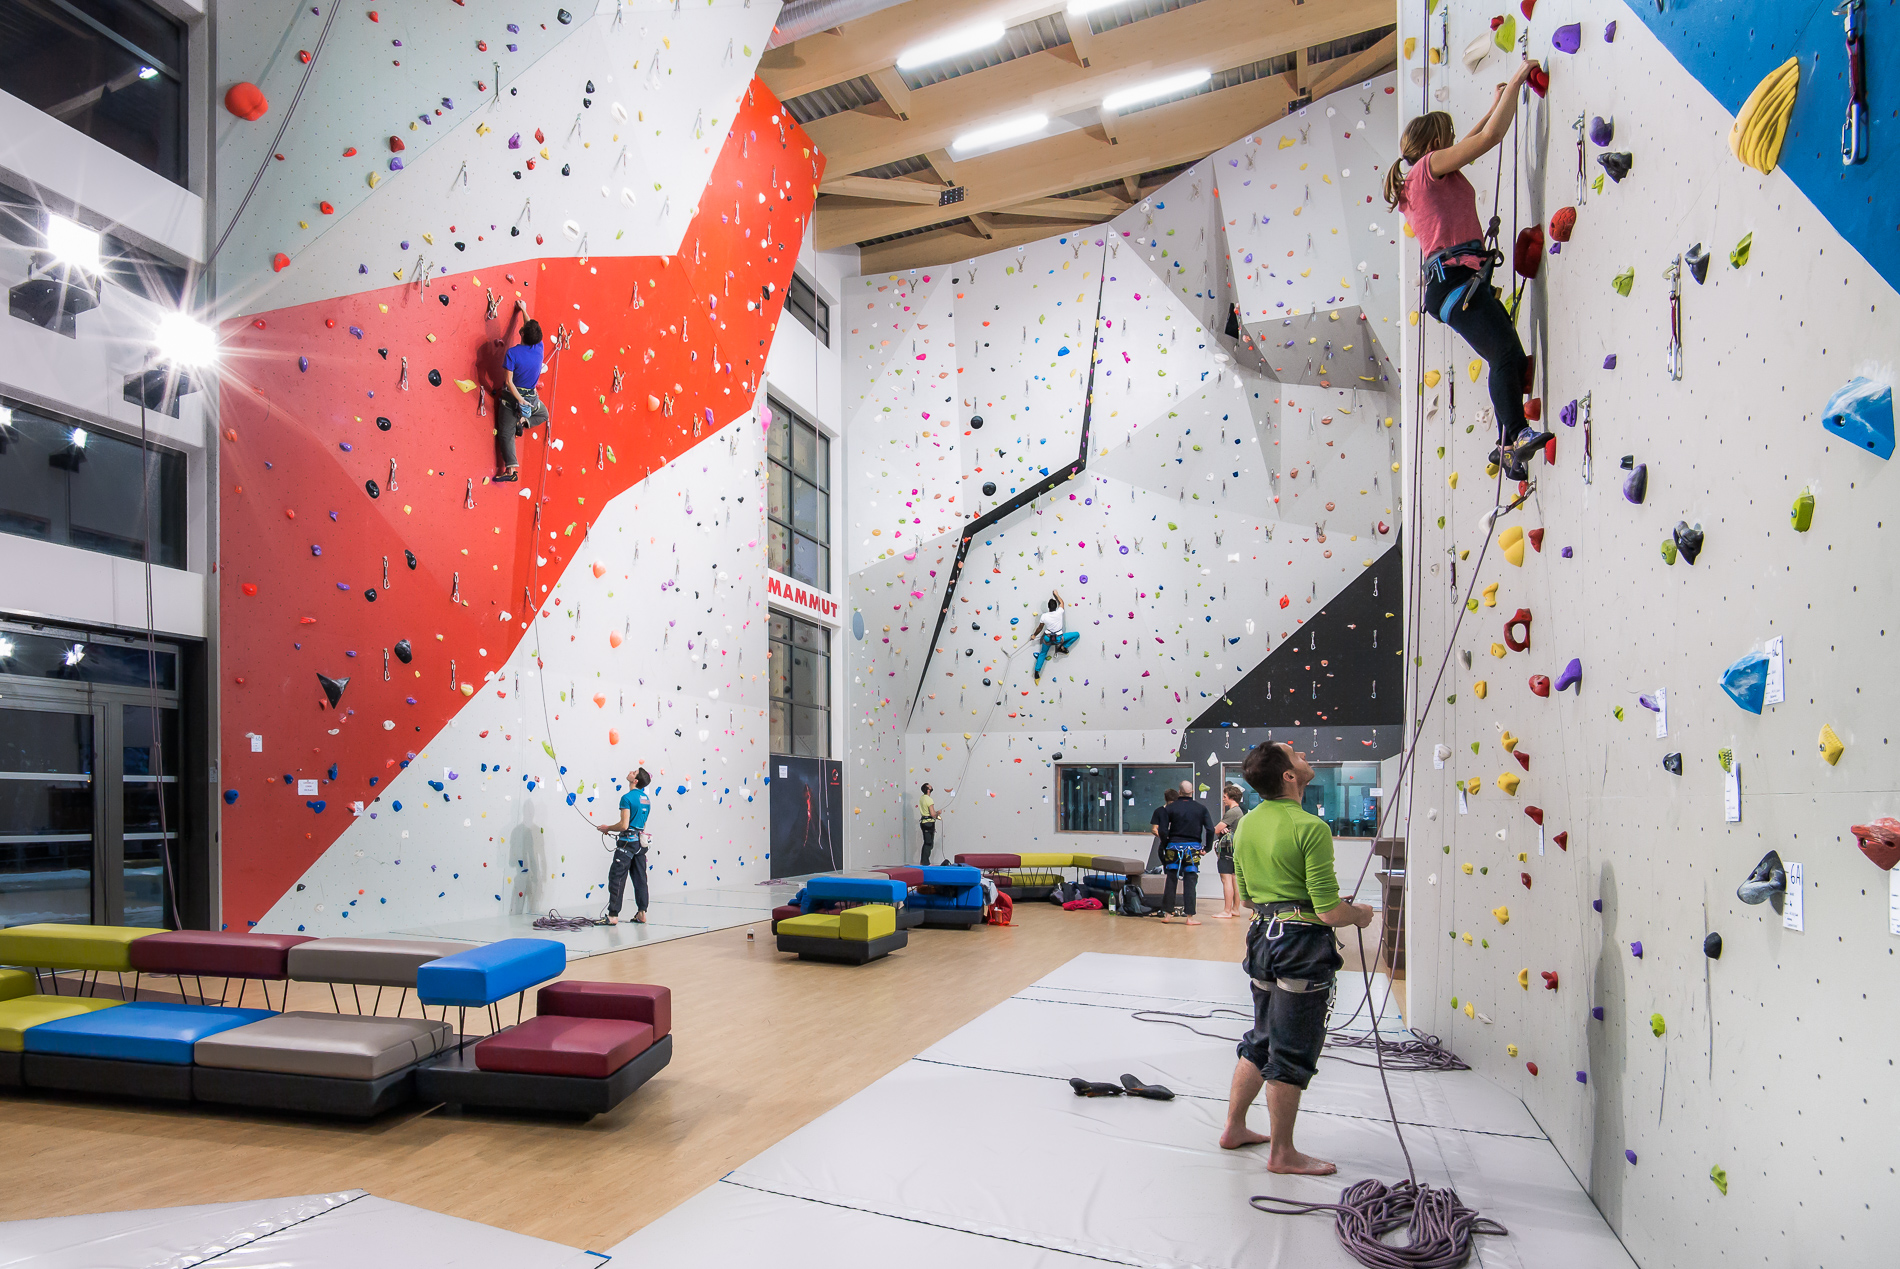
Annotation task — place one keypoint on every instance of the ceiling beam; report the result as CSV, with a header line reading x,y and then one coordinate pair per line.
x,y
1358,67
943,246
1111,124
1179,132
871,43
887,191
1080,208
1201,36
891,87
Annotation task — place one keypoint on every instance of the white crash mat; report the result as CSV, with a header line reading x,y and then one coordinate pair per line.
x,y
351,1228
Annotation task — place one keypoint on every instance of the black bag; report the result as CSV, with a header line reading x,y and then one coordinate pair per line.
x,y
1134,902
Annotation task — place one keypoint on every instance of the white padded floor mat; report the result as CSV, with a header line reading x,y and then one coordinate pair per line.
x,y
989,1150
350,1229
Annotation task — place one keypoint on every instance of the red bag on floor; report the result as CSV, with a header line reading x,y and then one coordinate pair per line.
x,y
1082,905
1001,911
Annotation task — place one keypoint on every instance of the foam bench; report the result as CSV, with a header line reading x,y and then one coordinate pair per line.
x,y
477,977
856,888
946,896
852,937
366,962
322,1063
586,1050
1031,875
15,983
222,954
20,1013
911,915
52,945
141,1049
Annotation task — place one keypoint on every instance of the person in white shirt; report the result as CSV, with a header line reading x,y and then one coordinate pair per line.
x,y
1052,637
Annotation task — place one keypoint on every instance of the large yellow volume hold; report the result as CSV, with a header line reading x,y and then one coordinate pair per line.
x,y
1508,781
1511,541
1762,122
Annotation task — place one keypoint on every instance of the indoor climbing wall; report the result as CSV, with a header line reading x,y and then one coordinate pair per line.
x,y
1583,811
1228,488
431,679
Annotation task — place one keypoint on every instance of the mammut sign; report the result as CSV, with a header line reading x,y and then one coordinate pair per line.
x,y
795,594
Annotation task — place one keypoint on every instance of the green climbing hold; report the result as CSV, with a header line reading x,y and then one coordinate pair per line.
x,y
1452,699
1717,1175
1454,999
1441,522
1505,37
1726,757
1739,257
1801,515
1475,746
1624,281
1669,550
1619,713
1656,1023
550,751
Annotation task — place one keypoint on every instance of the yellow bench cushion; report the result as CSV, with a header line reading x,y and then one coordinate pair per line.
x,y
21,1012
813,925
16,982
1027,879
106,948
1051,860
870,921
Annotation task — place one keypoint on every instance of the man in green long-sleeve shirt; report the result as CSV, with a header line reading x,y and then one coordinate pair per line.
x,y
1283,867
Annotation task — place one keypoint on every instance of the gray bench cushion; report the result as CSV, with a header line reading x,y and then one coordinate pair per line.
x,y
367,962
340,1046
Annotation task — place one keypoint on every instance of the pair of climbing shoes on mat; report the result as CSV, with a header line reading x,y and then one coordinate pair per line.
x,y
1130,1086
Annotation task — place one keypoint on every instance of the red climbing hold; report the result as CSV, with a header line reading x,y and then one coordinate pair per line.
x,y
1563,223
1525,878
1537,815
279,262
374,16
1522,617
1537,539
1527,6
1879,841
395,145
481,46
1531,1067
1550,450
539,138
350,153
1550,979
1534,409
1540,685
1523,759
1528,256
326,208
249,588
1539,80
246,101
1562,840
303,55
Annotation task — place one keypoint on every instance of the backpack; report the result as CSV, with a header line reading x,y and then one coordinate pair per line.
x,y
1133,902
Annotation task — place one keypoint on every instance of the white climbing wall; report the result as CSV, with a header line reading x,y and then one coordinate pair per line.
x,y
1220,506
1774,1063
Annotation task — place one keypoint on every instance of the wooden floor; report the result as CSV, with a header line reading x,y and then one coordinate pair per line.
x,y
764,1044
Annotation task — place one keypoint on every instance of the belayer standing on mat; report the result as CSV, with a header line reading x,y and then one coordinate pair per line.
x,y
630,848
521,373
1231,811
927,821
1283,867
1442,209
1189,831
1052,638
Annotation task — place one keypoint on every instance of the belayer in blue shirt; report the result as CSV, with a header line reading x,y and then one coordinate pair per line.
x,y
630,848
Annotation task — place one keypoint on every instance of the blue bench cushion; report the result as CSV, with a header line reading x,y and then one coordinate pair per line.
x,y
483,975
951,875
142,1031
969,897
821,890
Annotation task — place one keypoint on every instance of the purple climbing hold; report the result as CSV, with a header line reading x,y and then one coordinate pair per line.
x,y
514,48
447,104
1598,905
362,268
315,549
1609,362
344,446
1602,131
1649,704
1567,39
515,30
1597,1012
1582,1078
357,331
342,585
1569,414
1572,675
1630,1155
410,699
1637,483
403,245
1636,950
303,363
395,163
1609,33
1567,552
514,142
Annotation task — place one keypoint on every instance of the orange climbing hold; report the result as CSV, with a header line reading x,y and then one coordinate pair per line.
x,y
279,262
247,101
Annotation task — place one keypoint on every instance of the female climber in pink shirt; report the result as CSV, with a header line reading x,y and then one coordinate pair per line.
x,y
1442,209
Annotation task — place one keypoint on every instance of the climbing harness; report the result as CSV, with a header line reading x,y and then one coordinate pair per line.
x,y
1854,130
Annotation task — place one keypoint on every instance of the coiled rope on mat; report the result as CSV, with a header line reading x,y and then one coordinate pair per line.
x,y
555,921
1420,1053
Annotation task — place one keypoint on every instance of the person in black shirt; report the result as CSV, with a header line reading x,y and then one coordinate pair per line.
x,y
1159,823
1188,833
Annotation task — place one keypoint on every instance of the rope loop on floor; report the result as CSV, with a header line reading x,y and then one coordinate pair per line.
x,y
1439,1226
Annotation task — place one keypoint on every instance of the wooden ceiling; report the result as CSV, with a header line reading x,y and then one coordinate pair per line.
x,y
886,134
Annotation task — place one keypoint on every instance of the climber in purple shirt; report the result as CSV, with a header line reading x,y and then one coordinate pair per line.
x,y
521,371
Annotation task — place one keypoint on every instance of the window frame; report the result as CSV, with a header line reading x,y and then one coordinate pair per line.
x,y
169,474
1142,828
810,641
814,316
817,449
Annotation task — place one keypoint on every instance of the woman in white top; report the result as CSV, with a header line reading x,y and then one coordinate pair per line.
x,y
1051,636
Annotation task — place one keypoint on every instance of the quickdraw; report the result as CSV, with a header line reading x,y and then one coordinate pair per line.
x,y
1854,130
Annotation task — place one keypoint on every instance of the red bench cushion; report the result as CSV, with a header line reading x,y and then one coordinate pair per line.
x,y
629,1002
219,953
991,861
900,872
591,1048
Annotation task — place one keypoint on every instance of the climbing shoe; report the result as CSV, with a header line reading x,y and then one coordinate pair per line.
x,y
1527,444
1094,1088
1153,1092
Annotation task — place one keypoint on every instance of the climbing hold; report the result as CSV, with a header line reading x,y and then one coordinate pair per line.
x,y
1468,871
1497,650
1698,261
1636,950
1504,32
1518,643
1481,689
1527,256
1712,946
1617,163
1536,538
1630,1155
1831,746
1523,759
1656,1023
1567,39
1509,741
1879,841
1524,979
246,101
1473,785
1525,878
1431,378
1491,595
1511,542
1756,135
1669,551
1624,280
989,488
1801,515
1602,131
1688,540
1768,878
1746,681
1563,223
1672,763
1473,56
372,489
1739,256
1540,685
279,262
404,653
1536,814
1717,1175
1511,1049
435,378
1636,484
1502,913
332,688
1550,982
1582,1078
1862,412
1572,676
1508,781
1531,1067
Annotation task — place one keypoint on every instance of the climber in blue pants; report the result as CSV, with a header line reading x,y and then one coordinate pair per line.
x,y
1052,636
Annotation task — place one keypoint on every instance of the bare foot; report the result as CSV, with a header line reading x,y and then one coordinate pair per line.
x,y
1223,916
613,920
641,917
1293,1163
1194,920
1235,1138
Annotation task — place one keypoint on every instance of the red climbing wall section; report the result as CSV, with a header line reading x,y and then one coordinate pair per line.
x,y
358,509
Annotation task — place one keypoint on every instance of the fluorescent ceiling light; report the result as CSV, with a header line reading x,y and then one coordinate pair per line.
x,y
72,244
75,654
78,438
1155,88
1078,8
184,340
1017,129
147,72
962,40
6,647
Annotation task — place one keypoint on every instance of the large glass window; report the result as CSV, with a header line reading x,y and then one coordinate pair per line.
x,y
62,482
1113,797
811,311
113,69
1341,794
801,687
798,499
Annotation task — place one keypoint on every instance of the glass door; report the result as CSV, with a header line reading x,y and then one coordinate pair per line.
x,y
49,815
135,894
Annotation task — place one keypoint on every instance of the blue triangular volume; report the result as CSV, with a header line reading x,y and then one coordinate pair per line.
x,y
1862,412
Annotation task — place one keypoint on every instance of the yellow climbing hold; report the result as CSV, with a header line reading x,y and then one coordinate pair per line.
x,y
1468,935
1720,1177
1524,978
1481,689
1286,143
1511,542
1491,595
1431,378
1831,746
1470,1010
1497,650
1473,785
1452,480
1508,741
1508,781
1475,369
1467,868
466,385
1502,913
1755,137
1411,47
1511,1049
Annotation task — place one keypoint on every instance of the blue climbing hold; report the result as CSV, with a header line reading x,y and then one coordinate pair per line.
x,y
1746,681
316,806
1862,412
230,797
857,625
